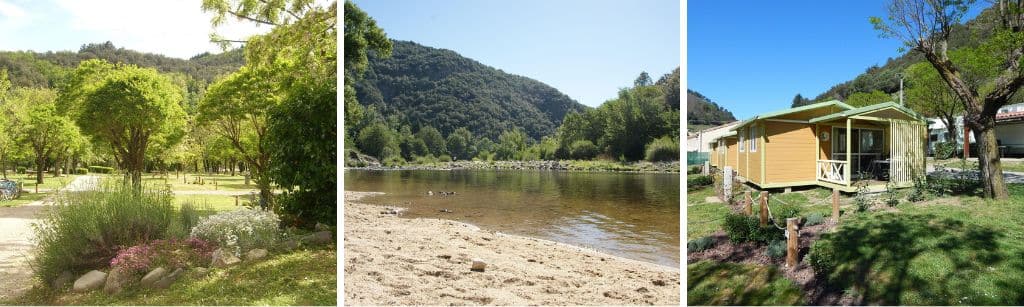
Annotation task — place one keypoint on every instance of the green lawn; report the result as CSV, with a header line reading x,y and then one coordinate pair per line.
x,y
1011,166
961,251
26,197
214,202
189,182
703,218
305,277
49,182
714,283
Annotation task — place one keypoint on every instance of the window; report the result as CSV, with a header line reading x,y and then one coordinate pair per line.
x,y
742,143
753,139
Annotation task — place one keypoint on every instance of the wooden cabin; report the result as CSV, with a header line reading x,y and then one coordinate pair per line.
x,y
829,144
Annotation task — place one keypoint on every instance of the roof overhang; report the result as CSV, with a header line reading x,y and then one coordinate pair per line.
x,y
830,103
857,112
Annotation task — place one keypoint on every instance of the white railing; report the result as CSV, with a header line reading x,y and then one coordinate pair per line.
x,y
832,171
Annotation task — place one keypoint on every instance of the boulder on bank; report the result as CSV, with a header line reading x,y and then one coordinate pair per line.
x,y
153,276
90,281
165,282
223,258
62,280
118,278
320,237
255,254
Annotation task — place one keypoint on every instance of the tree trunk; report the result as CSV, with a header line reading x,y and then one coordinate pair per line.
x,y
3,166
988,160
951,130
40,169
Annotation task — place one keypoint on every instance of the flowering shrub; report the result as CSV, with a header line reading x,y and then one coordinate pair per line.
x,y
173,253
240,230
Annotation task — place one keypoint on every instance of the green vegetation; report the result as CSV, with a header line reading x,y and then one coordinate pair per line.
x,y
700,244
712,283
700,110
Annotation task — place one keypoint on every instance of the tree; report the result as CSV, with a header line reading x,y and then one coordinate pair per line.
x,y
929,95
130,109
861,99
631,121
926,26
7,124
361,37
510,145
377,140
459,144
800,100
643,80
433,139
44,131
670,85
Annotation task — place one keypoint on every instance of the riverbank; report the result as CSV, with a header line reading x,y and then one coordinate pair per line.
x,y
565,165
397,261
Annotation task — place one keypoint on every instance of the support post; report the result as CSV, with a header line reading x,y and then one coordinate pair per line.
x,y
835,205
847,171
706,169
967,141
764,208
236,200
727,184
37,188
748,204
792,240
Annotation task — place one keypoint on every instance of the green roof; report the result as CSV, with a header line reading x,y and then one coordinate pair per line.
x,y
829,103
868,109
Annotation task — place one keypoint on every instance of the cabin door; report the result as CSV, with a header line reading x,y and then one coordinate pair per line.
x,y
867,147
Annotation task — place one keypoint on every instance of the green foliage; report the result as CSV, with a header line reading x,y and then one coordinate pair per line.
x,y
781,212
891,196
436,144
633,120
583,150
822,257
459,144
814,218
670,86
84,230
700,244
81,171
665,148
643,80
737,227
777,249
713,283
378,141
695,169
700,110
100,169
862,199
920,189
800,100
928,94
945,150
511,145
693,181
862,99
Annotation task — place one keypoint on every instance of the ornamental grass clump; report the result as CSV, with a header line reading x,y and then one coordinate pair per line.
x,y
85,230
240,230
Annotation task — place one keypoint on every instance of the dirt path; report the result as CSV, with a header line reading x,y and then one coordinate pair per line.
x,y
390,260
17,240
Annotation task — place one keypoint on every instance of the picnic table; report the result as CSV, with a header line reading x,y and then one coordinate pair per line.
x,y
9,189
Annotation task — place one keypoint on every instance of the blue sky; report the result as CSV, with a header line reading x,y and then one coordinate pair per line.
x,y
755,57
586,49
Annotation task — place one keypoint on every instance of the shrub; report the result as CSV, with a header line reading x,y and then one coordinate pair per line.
x,y
891,196
814,219
782,212
777,249
920,190
698,181
700,244
663,149
945,150
239,230
425,159
170,254
737,227
445,158
693,170
20,170
762,234
85,230
81,171
394,160
822,257
582,150
100,169
862,199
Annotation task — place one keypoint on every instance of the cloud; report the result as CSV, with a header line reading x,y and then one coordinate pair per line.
x,y
12,16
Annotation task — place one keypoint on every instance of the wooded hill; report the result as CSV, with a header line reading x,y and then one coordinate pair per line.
x,y
427,86
701,111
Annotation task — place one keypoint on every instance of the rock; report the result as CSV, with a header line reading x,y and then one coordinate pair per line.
x,y
62,280
153,276
478,265
90,281
117,280
321,227
255,254
320,237
289,244
223,258
201,272
165,282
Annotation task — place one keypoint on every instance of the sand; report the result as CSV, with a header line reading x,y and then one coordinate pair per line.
x,y
390,260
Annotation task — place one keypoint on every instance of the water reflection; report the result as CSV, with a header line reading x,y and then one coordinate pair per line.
x,y
630,215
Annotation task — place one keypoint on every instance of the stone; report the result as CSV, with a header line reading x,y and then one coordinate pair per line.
x,y
153,276
63,280
165,282
90,281
478,265
255,254
117,279
223,258
321,227
320,237
289,244
201,272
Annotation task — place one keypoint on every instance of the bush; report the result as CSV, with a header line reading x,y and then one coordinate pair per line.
x,y
100,169
445,158
822,257
582,150
920,190
777,249
700,244
693,170
944,150
784,211
814,219
764,234
736,227
698,181
20,170
393,161
425,159
862,199
84,230
81,171
169,254
663,149
240,230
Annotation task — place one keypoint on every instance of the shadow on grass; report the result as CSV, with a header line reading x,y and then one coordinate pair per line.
x,y
722,283
894,259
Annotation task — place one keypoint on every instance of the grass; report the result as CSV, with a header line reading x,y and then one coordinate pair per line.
x,y
959,251
713,283
25,198
304,277
215,202
1009,166
703,218
185,182
49,182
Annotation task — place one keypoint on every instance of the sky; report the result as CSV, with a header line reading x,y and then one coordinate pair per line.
x,y
176,28
585,49
756,57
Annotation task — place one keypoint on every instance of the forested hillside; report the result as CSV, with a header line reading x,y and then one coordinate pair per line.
x,y
701,111
427,86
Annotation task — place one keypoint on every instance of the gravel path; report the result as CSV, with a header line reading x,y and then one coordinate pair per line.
x,y
17,240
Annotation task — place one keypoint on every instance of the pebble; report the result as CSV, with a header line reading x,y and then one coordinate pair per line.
x,y
478,265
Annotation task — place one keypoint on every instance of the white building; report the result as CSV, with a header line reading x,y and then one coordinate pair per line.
x,y
701,141
1009,131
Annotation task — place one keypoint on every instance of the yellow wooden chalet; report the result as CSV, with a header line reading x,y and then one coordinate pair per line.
x,y
829,144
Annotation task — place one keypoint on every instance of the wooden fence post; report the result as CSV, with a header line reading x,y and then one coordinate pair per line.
x,y
236,200
835,205
748,203
215,184
764,208
37,188
792,240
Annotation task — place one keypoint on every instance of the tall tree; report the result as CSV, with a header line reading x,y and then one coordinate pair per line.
x,y
362,36
862,99
130,109
44,131
433,139
929,95
7,123
925,26
459,143
800,100
643,80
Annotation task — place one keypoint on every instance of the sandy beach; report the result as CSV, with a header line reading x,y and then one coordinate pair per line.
x,y
390,260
